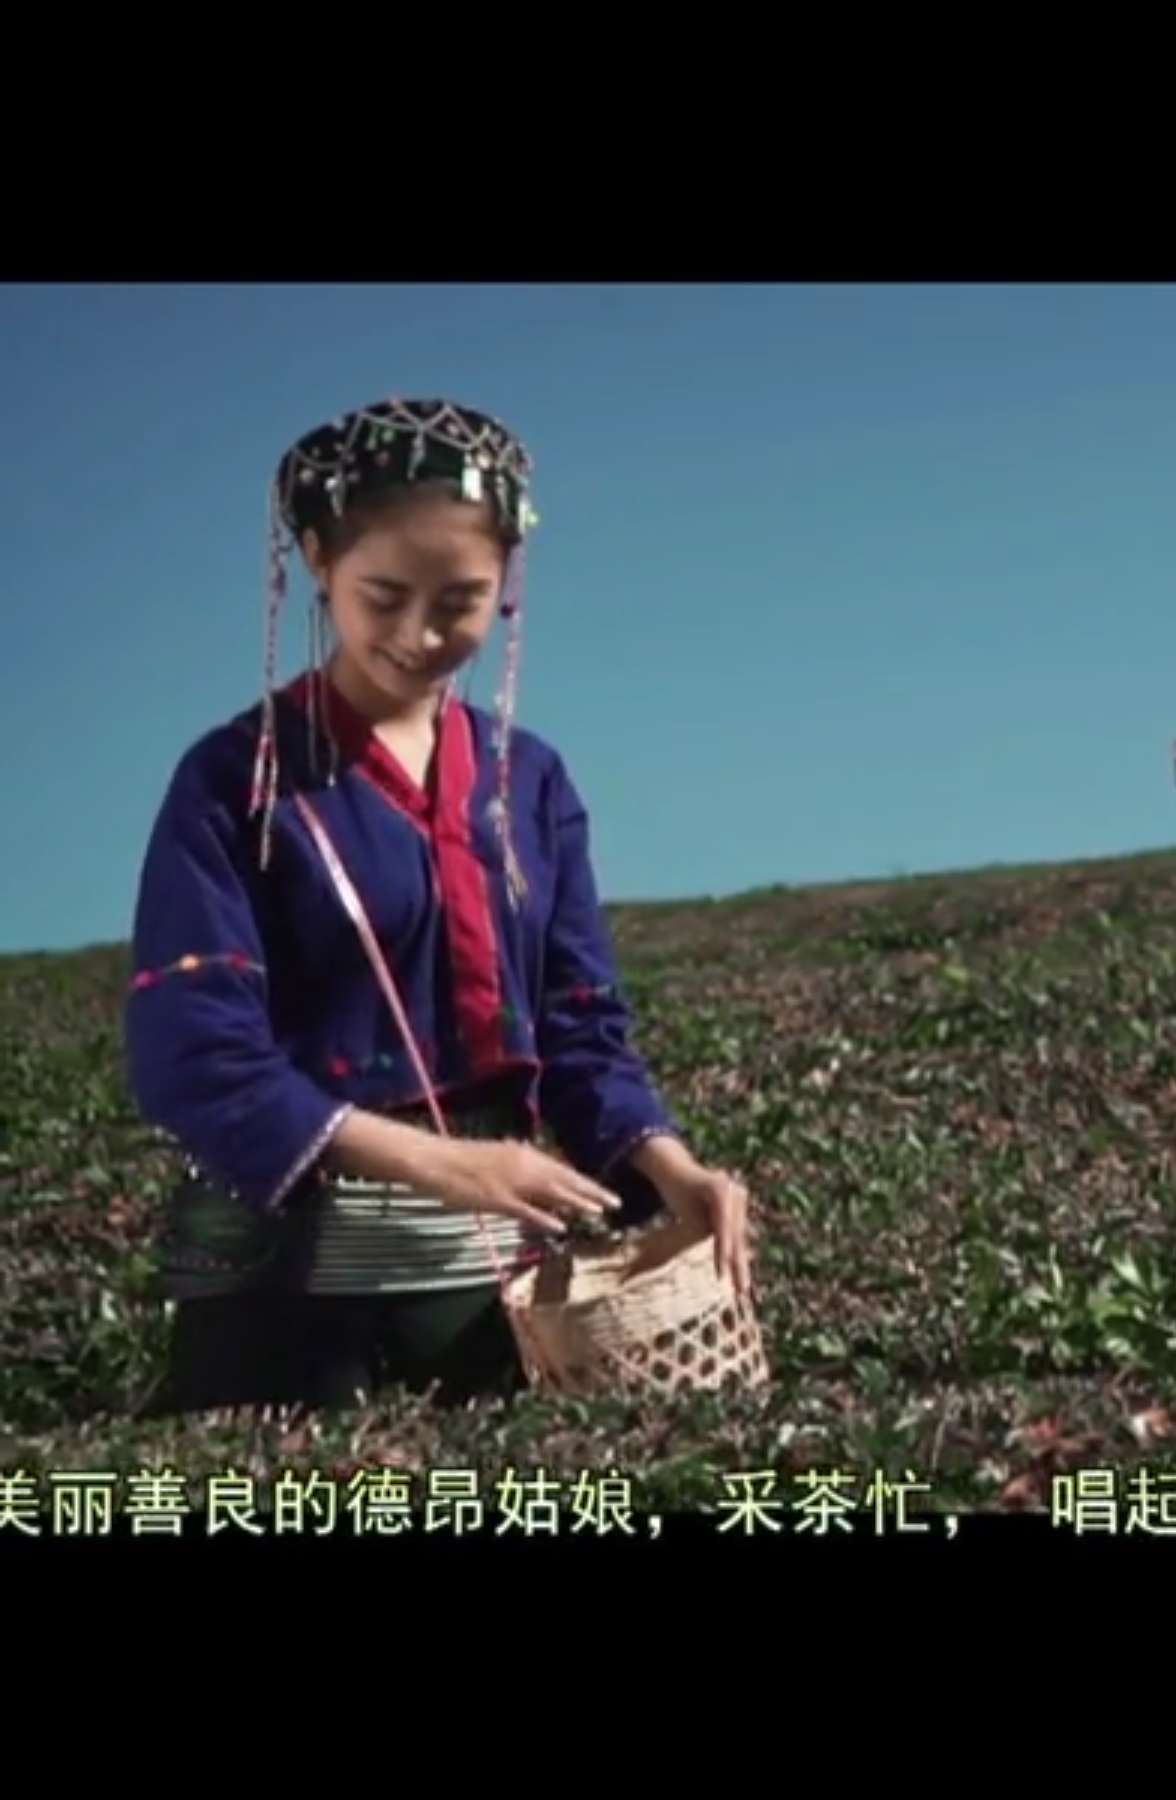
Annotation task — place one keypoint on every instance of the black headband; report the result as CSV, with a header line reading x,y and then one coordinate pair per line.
x,y
396,442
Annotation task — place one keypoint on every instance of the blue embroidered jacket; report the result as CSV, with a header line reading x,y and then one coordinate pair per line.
x,y
254,1022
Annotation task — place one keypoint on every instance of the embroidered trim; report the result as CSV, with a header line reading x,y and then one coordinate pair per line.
x,y
340,1067
511,1016
635,1142
583,993
189,965
308,1156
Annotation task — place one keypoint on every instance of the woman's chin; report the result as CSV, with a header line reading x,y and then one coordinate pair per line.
x,y
399,684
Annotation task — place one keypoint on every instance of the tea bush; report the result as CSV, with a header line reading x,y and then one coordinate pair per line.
x,y
954,1101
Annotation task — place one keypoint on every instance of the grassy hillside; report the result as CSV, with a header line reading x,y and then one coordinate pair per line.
x,y
954,1100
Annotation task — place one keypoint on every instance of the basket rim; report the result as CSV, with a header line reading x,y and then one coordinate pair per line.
x,y
691,1244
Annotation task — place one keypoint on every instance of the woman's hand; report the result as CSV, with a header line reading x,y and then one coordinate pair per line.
x,y
709,1199
469,1175
515,1179
718,1202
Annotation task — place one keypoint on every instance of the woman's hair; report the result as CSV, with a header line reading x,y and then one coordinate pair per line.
x,y
377,504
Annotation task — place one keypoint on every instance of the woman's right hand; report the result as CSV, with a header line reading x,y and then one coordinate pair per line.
x,y
517,1180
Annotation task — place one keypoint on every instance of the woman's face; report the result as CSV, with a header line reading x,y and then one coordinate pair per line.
x,y
416,596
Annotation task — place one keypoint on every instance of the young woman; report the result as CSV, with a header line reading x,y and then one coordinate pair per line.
x,y
258,1033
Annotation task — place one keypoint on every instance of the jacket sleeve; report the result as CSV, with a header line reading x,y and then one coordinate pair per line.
x,y
202,1061
595,1094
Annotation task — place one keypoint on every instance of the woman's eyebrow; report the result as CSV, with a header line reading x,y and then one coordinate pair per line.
x,y
387,583
475,584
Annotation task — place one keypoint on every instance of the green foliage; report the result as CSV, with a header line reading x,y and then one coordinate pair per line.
x,y
954,1101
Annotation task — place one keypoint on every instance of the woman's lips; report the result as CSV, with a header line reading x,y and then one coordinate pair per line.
x,y
415,670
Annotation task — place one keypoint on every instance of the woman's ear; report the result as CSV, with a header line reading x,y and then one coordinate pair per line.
x,y
312,556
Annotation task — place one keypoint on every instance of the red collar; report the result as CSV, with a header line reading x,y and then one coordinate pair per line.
x,y
442,815
453,771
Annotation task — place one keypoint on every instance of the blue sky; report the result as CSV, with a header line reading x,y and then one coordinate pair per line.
x,y
830,581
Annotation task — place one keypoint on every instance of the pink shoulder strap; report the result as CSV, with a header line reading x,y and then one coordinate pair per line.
x,y
355,907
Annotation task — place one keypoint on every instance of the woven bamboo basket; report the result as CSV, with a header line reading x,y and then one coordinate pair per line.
x,y
637,1312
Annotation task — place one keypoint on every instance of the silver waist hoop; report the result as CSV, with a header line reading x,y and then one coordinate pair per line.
x,y
377,1239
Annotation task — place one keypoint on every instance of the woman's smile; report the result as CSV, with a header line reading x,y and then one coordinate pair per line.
x,y
415,670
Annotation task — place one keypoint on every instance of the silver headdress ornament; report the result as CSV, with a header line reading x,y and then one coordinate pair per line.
x,y
394,443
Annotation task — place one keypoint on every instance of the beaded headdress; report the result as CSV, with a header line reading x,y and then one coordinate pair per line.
x,y
376,448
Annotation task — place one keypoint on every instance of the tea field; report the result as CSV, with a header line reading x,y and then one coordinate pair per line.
x,y
953,1099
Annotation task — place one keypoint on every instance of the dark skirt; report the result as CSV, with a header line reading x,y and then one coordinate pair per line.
x,y
327,1353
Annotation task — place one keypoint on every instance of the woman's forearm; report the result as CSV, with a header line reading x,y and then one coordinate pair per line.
x,y
372,1148
662,1159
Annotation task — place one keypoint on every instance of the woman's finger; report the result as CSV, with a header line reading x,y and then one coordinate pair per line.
x,y
608,1203
724,1245
568,1194
561,1184
583,1185
743,1254
530,1215
730,1221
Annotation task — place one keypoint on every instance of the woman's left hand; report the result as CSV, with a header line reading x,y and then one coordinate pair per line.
x,y
716,1201
706,1198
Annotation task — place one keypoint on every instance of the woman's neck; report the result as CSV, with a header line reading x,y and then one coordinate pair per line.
x,y
382,711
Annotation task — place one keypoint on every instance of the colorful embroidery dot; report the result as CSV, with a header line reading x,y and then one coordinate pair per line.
x,y
189,964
